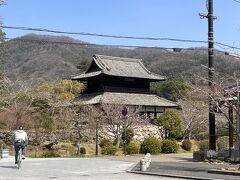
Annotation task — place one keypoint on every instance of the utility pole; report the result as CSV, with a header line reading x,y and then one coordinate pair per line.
x,y
212,133
211,17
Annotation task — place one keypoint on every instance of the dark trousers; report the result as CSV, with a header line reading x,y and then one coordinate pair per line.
x,y
17,147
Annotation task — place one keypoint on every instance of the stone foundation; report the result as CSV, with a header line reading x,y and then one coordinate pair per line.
x,y
140,132
44,138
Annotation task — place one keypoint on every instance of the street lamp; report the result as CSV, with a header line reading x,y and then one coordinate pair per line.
x,y
232,55
124,113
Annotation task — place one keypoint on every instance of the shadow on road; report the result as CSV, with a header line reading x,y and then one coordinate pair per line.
x,y
8,167
186,159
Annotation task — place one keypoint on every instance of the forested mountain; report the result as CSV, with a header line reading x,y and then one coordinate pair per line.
x,y
39,58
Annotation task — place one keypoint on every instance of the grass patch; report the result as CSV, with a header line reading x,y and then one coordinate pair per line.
x,y
61,149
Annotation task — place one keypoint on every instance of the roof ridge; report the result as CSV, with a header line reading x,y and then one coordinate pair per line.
x,y
120,58
99,62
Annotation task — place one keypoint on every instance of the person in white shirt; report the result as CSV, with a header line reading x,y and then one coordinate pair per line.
x,y
20,141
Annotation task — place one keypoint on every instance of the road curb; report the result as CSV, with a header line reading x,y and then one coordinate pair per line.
x,y
171,175
129,170
224,172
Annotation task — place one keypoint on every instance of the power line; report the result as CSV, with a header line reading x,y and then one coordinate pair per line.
x,y
116,36
102,35
105,45
225,49
167,49
226,45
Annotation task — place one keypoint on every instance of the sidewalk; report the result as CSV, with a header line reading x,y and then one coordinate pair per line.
x,y
182,166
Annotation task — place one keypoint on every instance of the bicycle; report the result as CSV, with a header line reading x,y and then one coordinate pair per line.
x,y
19,158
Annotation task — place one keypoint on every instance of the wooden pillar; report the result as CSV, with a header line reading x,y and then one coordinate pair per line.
x,y
155,112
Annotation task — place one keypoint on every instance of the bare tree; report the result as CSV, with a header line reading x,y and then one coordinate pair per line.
x,y
79,122
226,95
16,108
195,117
115,121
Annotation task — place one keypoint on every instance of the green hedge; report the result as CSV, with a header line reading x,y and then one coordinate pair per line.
x,y
187,145
132,148
105,142
169,146
150,145
83,150
109,150
50,153
203,145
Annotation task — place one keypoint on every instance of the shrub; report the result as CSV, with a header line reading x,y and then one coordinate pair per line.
x,y
129,135
104,143
132,148
115,142
172,124
46,121
199,136
3,125
169,146
67,147
187,145
173,89
203,145
83,150
50,153
109,150
150,145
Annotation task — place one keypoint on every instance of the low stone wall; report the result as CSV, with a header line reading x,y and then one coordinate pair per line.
x,y
6,137
141,132
43,137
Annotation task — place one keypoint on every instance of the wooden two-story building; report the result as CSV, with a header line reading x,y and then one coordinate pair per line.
x,y
125,81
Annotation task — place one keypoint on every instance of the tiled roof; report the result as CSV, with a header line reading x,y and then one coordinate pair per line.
x,y
119,66
87,75
124,98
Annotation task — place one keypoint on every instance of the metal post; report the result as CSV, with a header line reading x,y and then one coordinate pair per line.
x,y
125,136
212,133
230,112
238,120
124,113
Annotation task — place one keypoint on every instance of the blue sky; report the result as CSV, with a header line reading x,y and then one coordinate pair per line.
x,y
150,18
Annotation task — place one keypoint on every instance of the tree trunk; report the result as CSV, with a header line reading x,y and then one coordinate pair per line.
x,y
78,148
117,141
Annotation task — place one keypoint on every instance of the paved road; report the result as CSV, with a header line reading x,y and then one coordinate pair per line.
x,y
70,169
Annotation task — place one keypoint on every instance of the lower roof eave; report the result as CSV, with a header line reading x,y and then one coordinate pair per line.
x,y
131,99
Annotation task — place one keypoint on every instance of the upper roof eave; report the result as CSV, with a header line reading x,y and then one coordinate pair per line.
x,y
86,75
119,67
